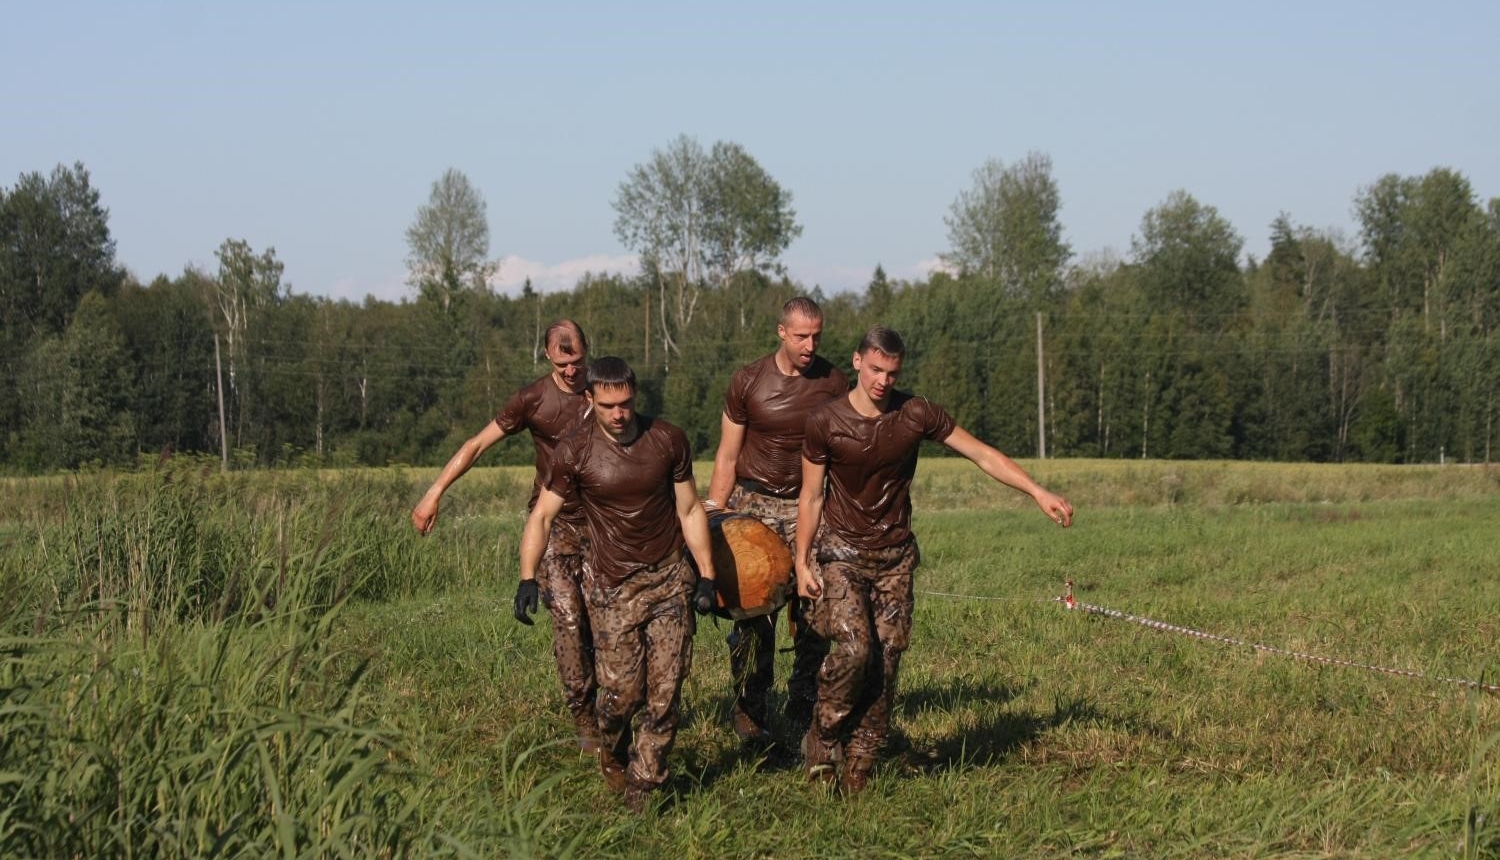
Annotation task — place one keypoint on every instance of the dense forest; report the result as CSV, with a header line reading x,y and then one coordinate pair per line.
x,y
1381,347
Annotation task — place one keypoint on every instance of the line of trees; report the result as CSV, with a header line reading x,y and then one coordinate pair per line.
x,y
1381,348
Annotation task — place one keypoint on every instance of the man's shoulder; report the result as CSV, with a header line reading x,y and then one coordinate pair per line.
x,y
830,410
911,402
921,412
653,426
662,439
528,396
757,368
574,440
546,388
536,387
821,369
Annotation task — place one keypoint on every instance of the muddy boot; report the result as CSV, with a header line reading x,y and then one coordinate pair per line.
x,y
820,760
856,774
587,726
639,798
613,772
747,728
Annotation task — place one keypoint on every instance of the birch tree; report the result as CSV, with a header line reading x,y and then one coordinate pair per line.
x,y
449,242
698,219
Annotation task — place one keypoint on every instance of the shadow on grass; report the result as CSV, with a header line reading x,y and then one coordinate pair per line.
x,y
954,694
989,740
700,768
993,736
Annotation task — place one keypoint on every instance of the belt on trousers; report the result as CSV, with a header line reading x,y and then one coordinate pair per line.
x,y
757,487
666,561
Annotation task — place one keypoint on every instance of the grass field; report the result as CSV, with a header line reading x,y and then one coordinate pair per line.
x,y
305,677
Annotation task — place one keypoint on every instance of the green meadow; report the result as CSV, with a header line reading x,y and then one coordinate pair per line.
x,y
273,664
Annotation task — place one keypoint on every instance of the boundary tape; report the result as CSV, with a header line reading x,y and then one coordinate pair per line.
x,y
1068,602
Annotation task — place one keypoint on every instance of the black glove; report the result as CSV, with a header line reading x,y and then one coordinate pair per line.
x,y
705,597
526,600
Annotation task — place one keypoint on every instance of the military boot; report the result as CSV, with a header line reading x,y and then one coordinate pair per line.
x,y
612,771
638,798
855,774
587,725
819,759
748,728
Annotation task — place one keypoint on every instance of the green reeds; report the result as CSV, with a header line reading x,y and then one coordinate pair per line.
x,y
169,686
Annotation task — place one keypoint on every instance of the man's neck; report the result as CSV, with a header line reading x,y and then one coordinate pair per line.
x,y
563,386
632,430
787,366
866,406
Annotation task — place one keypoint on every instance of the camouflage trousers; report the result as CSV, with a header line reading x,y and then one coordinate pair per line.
x,y
560,579
866,609
752,641
643,646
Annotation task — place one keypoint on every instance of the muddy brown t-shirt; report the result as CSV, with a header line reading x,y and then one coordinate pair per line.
x,y
548,413
628,493
871,462
773,409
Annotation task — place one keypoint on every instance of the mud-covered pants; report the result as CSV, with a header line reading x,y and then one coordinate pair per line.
x,y
752,641
560,579
866,610
643,648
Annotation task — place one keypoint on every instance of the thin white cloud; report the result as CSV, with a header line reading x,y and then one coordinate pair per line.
x,y
855,279
391,288
929,267
833,279
554,277
565,275
514,270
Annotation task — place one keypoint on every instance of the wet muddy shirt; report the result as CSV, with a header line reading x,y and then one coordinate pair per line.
x,y
871,462
548,413
773,409
628,493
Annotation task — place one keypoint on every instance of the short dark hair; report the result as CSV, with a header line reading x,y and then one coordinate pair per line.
x,y
564,330
610,372
801,306
884,339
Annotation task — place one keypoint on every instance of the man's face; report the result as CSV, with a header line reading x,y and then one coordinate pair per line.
x,y
614,408
877,373
799,339
568,368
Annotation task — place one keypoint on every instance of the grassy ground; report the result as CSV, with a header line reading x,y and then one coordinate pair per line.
x,y
1031,731
1025,730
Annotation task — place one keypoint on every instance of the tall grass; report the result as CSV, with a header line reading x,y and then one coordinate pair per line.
x,y
274,665
170,684
190,541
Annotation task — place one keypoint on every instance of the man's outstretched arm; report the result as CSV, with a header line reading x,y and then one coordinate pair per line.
x,y
1003,469
424,515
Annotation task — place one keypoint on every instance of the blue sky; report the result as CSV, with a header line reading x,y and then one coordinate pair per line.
x,y
318,128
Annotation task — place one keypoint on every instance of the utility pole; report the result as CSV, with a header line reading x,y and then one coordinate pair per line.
x,y
223,432
1041,393
536,341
